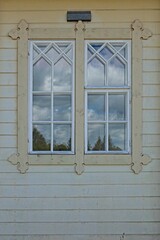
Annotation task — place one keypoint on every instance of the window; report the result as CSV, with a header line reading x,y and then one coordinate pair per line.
x,y
51,93
107,97
81,108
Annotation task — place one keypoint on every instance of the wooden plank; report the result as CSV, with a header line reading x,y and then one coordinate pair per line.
x,y
6,152
84,179
151,65
8,54
153,152
8,91
67,216
151,140
151,115
82,237
81,203
151,128
79,228
8,116
151,90
151,77
8,141
154,41
8,66
8,104
97,16
80,191
8,79
8,129
151,102
5,29
39,5
7,42
151,53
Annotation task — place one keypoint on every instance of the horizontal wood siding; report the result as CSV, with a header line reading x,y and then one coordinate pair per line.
x,y
52,202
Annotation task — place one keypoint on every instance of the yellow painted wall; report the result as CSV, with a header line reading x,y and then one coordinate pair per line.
x,y
104,202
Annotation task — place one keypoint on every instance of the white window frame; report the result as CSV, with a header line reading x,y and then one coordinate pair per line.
x,y
79,32
106,90
30,94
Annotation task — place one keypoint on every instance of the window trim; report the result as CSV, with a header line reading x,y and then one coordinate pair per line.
x,y
79,32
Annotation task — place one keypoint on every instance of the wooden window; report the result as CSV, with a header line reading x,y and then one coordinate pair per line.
x,y
126,118
51,94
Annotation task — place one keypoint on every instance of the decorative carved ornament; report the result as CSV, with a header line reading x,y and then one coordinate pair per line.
x,y
22,159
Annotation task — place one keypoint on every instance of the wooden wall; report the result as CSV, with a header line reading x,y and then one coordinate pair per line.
x,y
53,203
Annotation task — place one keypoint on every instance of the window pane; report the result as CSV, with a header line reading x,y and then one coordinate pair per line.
x,y
116,137
62,108
41,108
116,73
42,76
95,73
96,137
96,107
52,53
62,76
117,109
62,137
41,137
106,53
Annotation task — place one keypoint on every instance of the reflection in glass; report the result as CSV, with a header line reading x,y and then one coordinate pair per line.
x,y
116,73
95,72
116,137
106,53
62,108
70,54
52,54
41,108
96,46
62,46
41,137
116,106
41,76
62,76
96,137
62,137
96,107
42,46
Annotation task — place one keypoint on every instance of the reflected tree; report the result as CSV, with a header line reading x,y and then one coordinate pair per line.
x,y
111,146
39,142
99,145
62,146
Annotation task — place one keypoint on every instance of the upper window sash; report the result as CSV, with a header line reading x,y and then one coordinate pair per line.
x,y
24,32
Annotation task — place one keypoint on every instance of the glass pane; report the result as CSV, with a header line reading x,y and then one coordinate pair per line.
x,y
62,137
96,46
41,137
52,54
42,46
117,46
117,109
106,53
62,46
116,73
95,76
96,137
96,107
41,108
116,137
62,76
62,108
41,76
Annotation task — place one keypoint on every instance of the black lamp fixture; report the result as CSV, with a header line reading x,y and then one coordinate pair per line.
x,y
73,16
